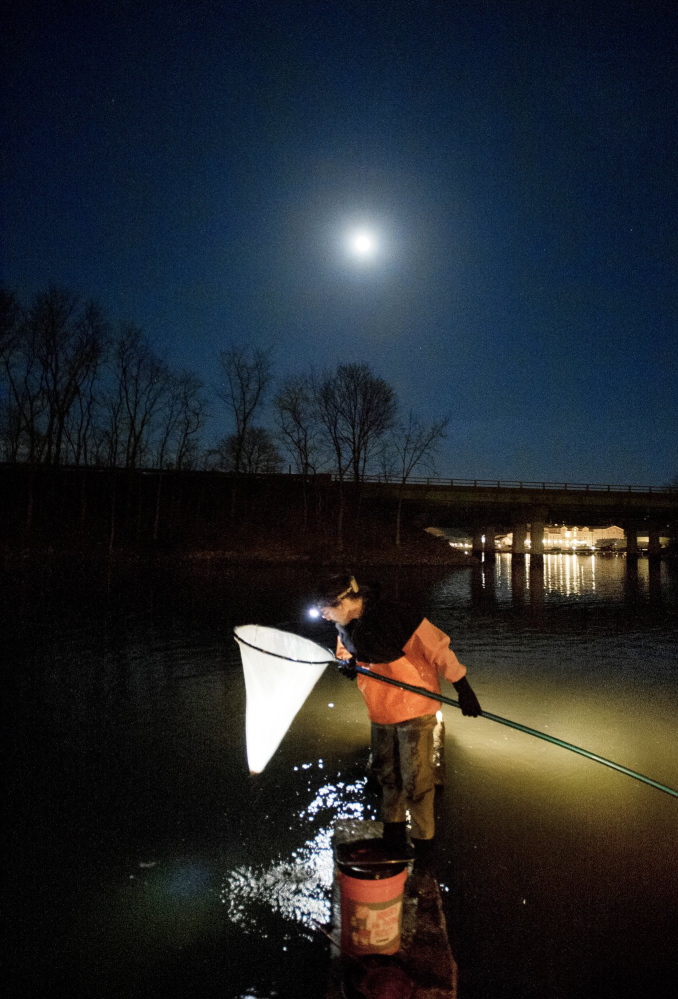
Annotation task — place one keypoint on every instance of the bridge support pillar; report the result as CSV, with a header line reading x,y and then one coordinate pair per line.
x,y
631,535
537,537
477,542
487,546
654,544
519,546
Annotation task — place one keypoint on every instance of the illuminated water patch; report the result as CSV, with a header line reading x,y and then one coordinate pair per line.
x,y
299,887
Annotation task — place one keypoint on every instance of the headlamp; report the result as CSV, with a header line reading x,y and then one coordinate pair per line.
x,y
315,610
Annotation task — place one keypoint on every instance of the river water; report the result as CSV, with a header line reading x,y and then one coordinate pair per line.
x,y
144,860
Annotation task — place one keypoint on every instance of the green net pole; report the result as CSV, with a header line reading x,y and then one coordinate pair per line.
x,y
521,728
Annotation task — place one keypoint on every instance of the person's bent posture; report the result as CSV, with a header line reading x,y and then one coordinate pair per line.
x,y
402,646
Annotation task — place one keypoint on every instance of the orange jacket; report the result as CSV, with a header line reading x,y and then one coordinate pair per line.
x,y
428,656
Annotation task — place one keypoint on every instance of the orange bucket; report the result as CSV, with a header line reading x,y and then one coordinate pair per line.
x,y
371,885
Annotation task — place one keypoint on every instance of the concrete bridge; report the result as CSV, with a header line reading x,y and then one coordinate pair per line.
x,y
484,508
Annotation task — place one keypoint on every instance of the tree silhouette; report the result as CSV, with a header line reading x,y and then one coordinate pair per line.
x,y
181,419
140,383
356,408
50,354
412,444
253,453
247,374
298,422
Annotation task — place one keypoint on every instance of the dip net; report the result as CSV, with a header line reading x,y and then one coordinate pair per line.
x,y
281,670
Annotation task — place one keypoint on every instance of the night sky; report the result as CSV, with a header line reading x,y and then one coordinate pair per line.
x,y
196,167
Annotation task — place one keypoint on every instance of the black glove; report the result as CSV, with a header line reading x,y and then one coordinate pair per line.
x,y
468,702
347,668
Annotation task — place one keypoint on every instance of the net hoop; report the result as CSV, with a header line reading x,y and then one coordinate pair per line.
x,y
289,659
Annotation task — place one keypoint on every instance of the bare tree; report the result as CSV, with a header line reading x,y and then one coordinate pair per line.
x,y
68,340
298,422
247,375
356,408
80,427
411,445
13,403
140,383
330,412
254,453
299,427
49,356
10,321
182,417
192,419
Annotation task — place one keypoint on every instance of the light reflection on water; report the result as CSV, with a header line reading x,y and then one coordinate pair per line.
x,y
570,575
558,579
299,889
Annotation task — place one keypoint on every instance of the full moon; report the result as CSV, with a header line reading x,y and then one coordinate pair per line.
x,y
363,244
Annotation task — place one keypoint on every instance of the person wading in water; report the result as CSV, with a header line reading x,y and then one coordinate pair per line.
x,y
400,644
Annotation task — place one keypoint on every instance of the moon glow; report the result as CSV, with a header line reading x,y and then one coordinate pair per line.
x,y
363,244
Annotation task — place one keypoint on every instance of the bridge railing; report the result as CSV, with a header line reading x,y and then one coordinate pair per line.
x,y
386,479
515,484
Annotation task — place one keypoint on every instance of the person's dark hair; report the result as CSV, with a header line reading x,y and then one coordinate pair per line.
x,y
345,584
331,589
